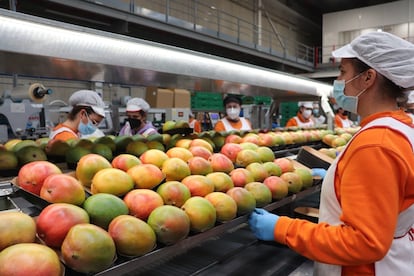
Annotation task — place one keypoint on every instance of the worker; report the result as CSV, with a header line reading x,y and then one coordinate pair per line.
x,y
83,119
366,212
136,123
317,115
303,117
194,123
232,120
341,118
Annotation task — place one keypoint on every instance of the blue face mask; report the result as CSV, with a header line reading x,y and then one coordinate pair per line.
x,y
349,103
86,129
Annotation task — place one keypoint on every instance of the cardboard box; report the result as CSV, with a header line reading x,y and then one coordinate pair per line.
x,y
159,98
313,158
182,98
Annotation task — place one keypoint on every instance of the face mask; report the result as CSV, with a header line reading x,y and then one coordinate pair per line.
x,y
349,103
315,112
86,129
134,123
233,113
307,113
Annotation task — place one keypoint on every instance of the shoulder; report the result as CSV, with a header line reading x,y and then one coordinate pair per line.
x,y
385,137
219,125
291,122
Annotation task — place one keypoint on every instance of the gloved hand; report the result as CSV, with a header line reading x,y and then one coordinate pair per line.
x,y
319,172
262,223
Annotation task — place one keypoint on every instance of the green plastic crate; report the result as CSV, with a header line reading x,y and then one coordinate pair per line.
x,y
265,100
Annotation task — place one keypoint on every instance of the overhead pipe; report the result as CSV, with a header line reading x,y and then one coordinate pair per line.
x,y
32,36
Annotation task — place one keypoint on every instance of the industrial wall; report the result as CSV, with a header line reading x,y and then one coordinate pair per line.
x,y
339,28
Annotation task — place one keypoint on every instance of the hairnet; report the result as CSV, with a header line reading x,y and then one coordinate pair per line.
x,y
232,99
137,104
389,55
306,104
88,98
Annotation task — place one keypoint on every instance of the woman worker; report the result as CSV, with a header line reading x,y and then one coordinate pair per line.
x,y
83,120
367,200
341,118
304,116
137,123
232,120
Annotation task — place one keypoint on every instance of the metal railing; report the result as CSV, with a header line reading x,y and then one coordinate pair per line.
x,y
324,58
210,21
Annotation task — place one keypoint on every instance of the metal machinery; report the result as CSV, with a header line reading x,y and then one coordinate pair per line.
x,y
90,56
22,113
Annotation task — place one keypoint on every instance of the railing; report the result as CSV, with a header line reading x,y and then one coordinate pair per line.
x,y
323,56
208,20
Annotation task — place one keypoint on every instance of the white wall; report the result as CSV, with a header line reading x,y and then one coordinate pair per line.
x,y
340,28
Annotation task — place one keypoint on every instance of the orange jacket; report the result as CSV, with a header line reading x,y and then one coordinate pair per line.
x,y
373,184
197,124
64,135
339,118
292,121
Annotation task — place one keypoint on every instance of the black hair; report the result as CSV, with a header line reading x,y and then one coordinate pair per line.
x,y
232,99
76,109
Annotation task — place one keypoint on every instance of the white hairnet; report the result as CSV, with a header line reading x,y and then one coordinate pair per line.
x,y
88,98
389,55
137,104
306,104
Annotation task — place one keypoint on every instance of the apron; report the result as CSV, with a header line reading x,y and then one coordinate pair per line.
x,y
302,124
228,127
399,259
345,122
53,133
192,124
145,131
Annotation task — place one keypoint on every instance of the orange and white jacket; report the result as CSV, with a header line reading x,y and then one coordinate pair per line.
x,y
300,121
342,121
373,185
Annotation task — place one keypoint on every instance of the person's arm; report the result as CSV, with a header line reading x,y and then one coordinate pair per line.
x,y
219,126
291,122
338,121
370,197
125,130
64,136
197,126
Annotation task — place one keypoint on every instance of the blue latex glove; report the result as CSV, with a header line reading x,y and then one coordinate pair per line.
x,y
319,172
262,223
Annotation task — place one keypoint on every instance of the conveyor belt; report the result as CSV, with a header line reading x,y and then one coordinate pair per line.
x,y
227,249
237,253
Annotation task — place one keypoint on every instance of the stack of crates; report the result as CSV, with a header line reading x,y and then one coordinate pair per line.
x,y
287,111
207,101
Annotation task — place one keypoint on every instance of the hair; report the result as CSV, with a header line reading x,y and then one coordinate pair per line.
x,y
76,109
232,99
143,114
391,90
